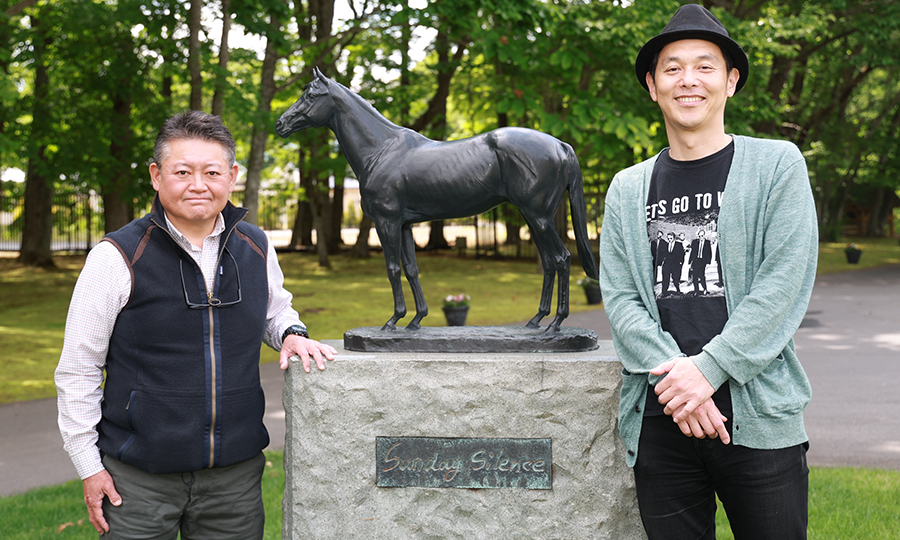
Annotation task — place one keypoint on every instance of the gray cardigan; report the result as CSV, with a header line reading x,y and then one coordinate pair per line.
x,y
768,245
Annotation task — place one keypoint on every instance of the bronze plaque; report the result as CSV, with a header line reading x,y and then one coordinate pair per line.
x,y
436,462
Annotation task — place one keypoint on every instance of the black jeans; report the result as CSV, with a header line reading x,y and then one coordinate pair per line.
x,y
764,492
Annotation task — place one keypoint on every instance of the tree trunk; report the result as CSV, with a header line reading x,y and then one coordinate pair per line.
x,y
18,7
336,217
779,73
436,117
512,220
260,134
224,52
405,37
318,195
194,26
37,226
436,239
5,116
301,234
562,220
166,88
361,248
329,213
168,62
316,23
254,173
321,239
117,206
876,215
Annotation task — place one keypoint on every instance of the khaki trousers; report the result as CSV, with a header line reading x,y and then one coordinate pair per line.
x,y
221,503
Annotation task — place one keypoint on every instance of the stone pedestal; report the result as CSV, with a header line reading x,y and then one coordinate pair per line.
x,y
334,417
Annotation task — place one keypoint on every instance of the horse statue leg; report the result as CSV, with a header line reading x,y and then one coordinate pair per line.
x,y
555,260
547,285
389,236
408,255
562,290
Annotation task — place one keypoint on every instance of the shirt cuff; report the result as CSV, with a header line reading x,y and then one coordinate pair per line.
x,y
715,375
87,462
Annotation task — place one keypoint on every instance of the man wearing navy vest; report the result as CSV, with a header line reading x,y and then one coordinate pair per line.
x,y
174,307
713,393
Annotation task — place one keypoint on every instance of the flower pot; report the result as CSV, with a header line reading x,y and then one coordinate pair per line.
x,y
594,296
853,255
456,315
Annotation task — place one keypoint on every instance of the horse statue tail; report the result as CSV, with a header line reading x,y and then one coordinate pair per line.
x,y
579,215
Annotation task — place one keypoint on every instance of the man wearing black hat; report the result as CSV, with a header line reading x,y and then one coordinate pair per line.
x,y
712,393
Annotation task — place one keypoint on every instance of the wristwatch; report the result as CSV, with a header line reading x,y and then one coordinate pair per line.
x,y
297,330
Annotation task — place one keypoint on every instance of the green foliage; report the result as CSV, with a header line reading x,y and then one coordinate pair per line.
x,y
823,74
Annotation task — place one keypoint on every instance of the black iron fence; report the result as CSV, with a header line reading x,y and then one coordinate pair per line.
x,y
77,220
503,232
78,224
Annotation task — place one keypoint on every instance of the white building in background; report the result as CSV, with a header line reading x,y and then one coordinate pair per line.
x,y
12,175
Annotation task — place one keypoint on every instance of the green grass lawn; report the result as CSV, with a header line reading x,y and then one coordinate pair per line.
x,y
58,512
876,251
354,293
845,504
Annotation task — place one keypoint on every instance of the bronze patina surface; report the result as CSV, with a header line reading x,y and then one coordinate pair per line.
x,y
474,463
471,339
406,178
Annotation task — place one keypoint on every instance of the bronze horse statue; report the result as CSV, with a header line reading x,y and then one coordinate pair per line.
x,y
406,178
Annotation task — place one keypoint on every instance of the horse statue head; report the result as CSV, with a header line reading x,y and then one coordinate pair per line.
x,y
314,108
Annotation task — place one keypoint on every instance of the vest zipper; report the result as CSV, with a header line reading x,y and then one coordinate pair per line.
x,y
212,333
212,350
213,374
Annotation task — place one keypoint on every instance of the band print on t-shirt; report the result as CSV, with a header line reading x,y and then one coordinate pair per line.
x,y
685,245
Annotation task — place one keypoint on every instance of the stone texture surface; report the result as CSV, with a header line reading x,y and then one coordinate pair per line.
x,y
334,416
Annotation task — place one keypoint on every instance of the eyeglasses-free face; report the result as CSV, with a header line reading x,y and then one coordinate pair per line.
x,y
193,183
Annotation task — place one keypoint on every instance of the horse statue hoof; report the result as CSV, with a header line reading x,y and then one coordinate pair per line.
x,y
535,321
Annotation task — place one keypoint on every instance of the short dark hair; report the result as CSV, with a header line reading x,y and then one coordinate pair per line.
x,y
193,125
729,63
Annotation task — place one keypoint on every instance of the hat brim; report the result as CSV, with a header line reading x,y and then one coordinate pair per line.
x,y
652,47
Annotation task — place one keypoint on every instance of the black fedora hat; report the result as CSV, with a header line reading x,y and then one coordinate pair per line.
x,y
692,21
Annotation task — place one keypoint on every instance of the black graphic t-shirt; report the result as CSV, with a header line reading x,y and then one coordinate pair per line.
x,y
682,218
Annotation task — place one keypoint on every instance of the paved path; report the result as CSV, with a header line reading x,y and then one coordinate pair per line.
x,y
849,344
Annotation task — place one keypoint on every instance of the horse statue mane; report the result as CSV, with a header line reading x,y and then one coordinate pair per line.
x,y
406,178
